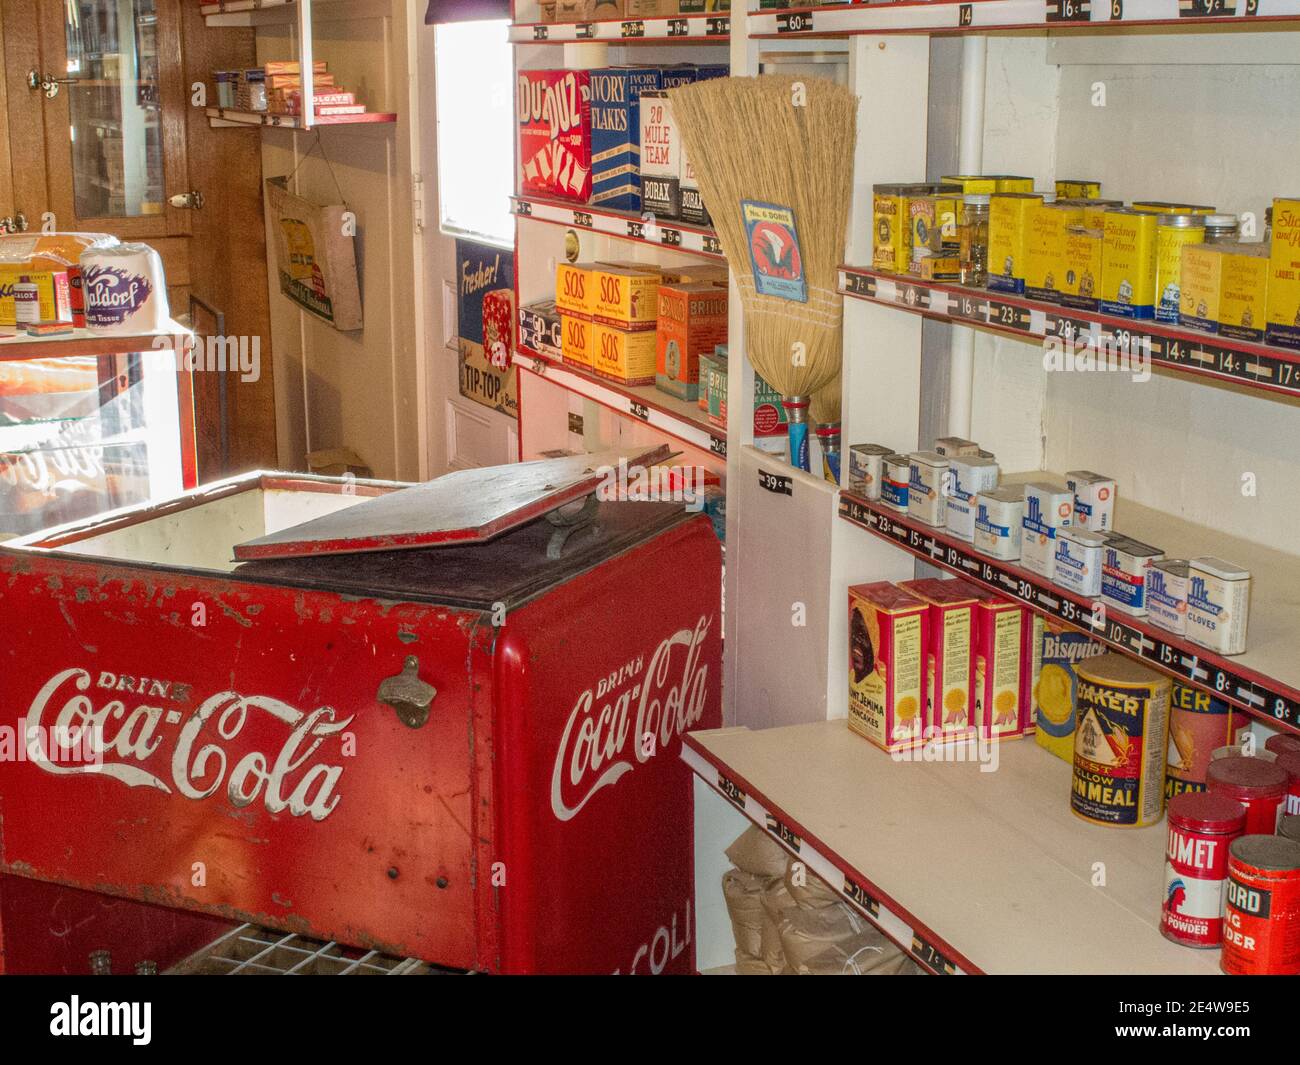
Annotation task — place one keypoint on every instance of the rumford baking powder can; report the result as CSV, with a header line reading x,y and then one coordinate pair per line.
x,y
1199,724
893,490
1261,916
1258,785
1119,742
1218,604
925,486
1201,828
866,469
1167,594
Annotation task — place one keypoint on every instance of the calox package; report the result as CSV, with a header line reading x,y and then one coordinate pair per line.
x,y
458,740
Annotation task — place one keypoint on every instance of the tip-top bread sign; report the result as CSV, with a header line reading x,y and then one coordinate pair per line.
x,y
554,109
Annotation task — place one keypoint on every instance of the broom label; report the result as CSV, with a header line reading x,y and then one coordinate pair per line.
x,y
774,251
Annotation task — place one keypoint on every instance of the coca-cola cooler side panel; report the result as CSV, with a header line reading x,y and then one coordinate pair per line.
x,y
595,684
249,768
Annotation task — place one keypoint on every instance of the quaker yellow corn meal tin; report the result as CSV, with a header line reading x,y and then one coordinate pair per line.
x,y
1128,263
1120,742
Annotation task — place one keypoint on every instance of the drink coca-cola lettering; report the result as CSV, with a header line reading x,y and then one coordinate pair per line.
x,y
609,734
133,740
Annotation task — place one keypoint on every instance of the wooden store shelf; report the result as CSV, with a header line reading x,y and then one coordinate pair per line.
x,y
82,342
1264,681
969,871
624,225
678,418
219,117
714,28
1173,347
982,16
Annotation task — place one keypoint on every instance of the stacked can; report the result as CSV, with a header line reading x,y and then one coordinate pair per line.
x,y
1201,829
1258,785
1261,918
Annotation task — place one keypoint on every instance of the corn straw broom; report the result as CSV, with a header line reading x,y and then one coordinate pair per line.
x,y
785,141
826,403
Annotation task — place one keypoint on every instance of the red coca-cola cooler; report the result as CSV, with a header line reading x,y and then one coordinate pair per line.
x,y
439,721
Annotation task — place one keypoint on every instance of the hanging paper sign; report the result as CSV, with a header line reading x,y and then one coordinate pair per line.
x,y
486,326
774,251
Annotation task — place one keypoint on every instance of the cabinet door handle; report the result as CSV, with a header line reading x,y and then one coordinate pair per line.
x,y
47,83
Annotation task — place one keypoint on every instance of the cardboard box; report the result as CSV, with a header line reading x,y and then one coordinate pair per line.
x,y
576,341
999,646
692,322
554,115
626,297
661,154
54,293
1283,320
575,288
616,134
1031,667
950,665
1054,693
623,356
540,329
888,637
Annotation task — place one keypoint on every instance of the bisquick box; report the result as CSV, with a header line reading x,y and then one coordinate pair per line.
x,y
616,134
554,115
540,329
1054,691
968,477
661,156
1124,567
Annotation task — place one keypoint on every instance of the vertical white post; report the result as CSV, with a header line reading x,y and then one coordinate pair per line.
x,y
970,160
306,65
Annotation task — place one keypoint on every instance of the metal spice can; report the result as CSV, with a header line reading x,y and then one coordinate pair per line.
x,y
1258,785
1289,761
1283,742
1201,827
1261,917
1119,742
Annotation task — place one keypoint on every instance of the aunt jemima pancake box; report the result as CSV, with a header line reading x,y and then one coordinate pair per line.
x,y
888,637
949,666
554,109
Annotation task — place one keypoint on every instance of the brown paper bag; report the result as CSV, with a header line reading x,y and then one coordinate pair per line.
x,y
757,853
315,255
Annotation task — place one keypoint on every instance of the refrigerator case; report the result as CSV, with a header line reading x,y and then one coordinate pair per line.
x,y
467,754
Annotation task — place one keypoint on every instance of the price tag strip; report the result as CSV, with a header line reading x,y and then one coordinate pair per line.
x,y
621,224
632,404
698,27
1255,365
927,949
1188,662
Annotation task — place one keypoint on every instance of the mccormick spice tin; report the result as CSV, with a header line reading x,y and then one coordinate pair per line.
x,y
1167,594
554,109
1119,743
1201,828
928,473
1124,565
1047,508
1199,724
999,665
1218,604
1128,263
1258,785
1054,699
1094,500
952,446
1290,762
999,514
894,489
888,637
1261,917
1173,233
1077,562
968,477
866,469
950,692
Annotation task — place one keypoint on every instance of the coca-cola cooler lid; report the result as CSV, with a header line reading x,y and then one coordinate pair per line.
x,y
464,507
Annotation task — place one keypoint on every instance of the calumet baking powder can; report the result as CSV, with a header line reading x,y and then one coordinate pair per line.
x,y
1201,827
1119,742
1261,916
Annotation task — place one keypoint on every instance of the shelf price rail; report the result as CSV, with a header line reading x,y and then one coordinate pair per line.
x,y
1257,366
1262,696
623,225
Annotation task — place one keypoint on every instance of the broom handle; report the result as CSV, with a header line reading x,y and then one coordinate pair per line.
x,y
796,411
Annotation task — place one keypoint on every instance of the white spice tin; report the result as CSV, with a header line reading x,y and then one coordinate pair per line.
x,y
968,476
1047,508
998,516
948,446
1124,566
897,471
866,469
925,485
1077,564
1094,500
1167,594
1218,604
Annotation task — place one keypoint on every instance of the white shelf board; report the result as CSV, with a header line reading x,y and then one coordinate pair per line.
x,y
713,27
994,865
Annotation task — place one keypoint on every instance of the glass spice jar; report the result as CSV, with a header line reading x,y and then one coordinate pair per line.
x,y
973,235
1220,228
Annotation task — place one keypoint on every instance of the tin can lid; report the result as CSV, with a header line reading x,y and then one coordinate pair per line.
x,y
1181,221
1290,761
1265,852
1079,535
1207,811
1246,777
1217,567
1048,197
1120,671
1290,827
1283,742
1177,566
929,458
976,199
1238,750
1221,221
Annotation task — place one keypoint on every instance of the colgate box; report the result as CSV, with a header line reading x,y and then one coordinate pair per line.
x,y
390,727
554,114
